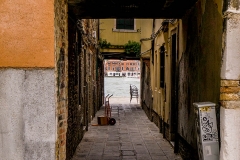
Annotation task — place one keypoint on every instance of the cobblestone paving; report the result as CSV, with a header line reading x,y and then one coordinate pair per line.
x,y
133,137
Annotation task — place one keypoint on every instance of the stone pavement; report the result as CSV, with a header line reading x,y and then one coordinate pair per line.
x,y
132,137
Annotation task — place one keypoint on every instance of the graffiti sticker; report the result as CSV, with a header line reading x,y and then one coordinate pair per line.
x,y
209,129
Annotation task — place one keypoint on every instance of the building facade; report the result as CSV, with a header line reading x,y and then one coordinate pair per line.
x,y
116,34
116,68
188,61
50,70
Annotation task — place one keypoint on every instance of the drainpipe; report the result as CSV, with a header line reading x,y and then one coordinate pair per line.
x,y
152,42
164,135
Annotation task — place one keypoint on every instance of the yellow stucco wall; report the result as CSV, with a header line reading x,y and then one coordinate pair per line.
x,y
158,100
142,29
107,32
26,33
162,102
146,31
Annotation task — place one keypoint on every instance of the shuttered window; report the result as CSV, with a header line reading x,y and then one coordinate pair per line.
x,y
162,66
125,24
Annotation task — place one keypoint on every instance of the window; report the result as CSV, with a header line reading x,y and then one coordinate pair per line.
x,y
162,66
118,69
108,68
122,68
125,24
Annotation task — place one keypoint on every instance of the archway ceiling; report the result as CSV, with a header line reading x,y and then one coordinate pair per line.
x,y
129,8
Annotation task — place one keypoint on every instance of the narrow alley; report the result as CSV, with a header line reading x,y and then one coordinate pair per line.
x,y
58,57
133,136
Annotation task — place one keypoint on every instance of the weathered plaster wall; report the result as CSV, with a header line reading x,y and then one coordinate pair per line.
x,y
172,29
230,85
160,92
26,33
27,117
229,119
11,115
199,68
230,134
146,92
146,31
146,85
27,95
231,53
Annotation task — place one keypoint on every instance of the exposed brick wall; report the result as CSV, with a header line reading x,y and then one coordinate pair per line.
x,y
75,113
229,91
85,84
61,72
92,72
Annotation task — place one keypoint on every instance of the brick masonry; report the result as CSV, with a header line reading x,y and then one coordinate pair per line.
x,y
84,75
230,94
79,78
75,113
229,91
61,72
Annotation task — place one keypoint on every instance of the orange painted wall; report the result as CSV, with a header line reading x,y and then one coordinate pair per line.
x,y
26,33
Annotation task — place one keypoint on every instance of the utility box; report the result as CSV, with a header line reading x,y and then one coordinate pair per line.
x,y
207,132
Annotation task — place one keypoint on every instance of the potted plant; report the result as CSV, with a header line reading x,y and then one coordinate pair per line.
x,y
103,43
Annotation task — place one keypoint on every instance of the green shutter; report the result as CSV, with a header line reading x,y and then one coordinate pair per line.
x,y
125,24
